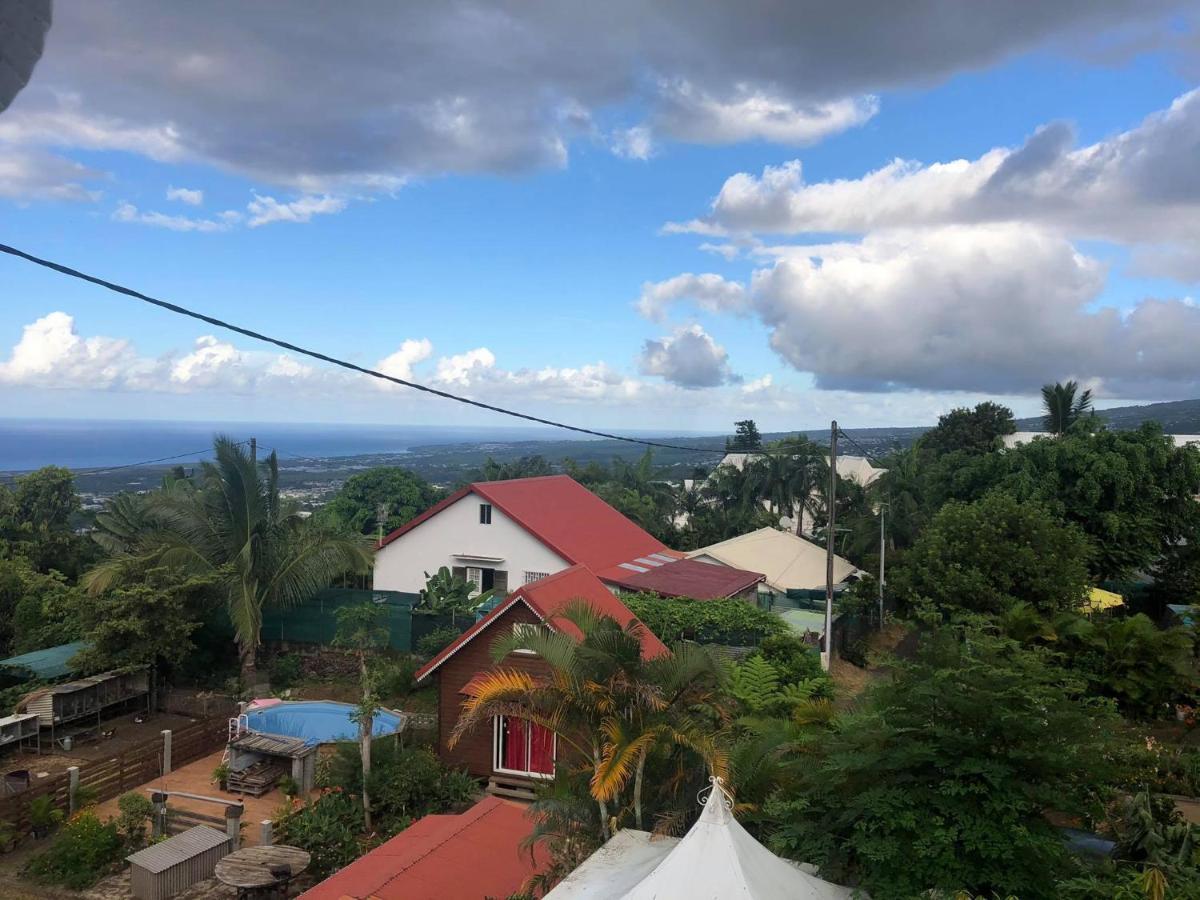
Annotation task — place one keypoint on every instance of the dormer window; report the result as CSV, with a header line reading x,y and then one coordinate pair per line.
x,y
485,514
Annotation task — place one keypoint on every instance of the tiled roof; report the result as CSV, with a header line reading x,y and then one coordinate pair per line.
x,y
546,598
683,578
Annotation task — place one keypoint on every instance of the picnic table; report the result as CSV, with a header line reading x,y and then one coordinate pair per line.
x,y
257,870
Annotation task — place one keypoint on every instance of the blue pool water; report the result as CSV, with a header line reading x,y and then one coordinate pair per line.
x,y
317,721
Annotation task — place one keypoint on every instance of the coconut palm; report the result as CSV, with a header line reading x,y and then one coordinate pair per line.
x,y
789,476
610,708
1064,406
235,527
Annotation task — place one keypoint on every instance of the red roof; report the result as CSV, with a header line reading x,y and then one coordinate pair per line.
x,y
549,596
476,854
562,514
685,578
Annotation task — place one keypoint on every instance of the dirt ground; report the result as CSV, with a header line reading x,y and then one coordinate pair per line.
x,y
128,734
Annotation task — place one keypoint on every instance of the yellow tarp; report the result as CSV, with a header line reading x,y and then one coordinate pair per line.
x,y
1099,600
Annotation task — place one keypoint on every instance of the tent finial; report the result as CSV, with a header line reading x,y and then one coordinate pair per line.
x,y
716,784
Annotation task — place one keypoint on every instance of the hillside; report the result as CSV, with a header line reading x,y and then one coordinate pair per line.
x,y
1176,417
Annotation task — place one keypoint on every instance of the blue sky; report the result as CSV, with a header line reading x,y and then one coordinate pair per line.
x,y
510,241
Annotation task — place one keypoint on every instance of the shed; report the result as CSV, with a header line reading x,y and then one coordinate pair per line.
x,y
163,870
257,760
46,664
58,704
19,729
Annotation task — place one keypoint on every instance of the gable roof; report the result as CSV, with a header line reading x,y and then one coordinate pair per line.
x,y
685,578
562,514
788,560
474,854
546,598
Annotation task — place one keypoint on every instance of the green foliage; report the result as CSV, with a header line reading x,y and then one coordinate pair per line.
x,y
327,827
396,678
447,594
148,622
44,611
400,495
1064,405
83,852
986,556
405,783
433,643
942,778
285,670
136,810
289,787
524,467
975,430
43,814
729,622
796,662
1145,669
746,437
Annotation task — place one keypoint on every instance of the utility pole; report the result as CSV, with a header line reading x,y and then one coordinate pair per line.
x,y
831,500
882,555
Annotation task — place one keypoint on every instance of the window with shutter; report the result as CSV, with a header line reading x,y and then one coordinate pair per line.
x,y
500,581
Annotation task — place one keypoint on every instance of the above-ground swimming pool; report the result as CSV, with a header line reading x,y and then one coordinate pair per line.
x,y
317,721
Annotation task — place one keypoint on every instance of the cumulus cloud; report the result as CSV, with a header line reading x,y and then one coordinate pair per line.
x,y
998,307
51,353
462,368
265,210
1141,186
689,358
633,143
127,212
400,364
32,174
708,291
360,97
190,196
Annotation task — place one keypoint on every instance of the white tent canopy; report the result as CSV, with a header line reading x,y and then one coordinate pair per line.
x,y
716,860
790,562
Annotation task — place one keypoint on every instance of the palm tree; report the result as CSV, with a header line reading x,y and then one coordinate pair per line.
x,y
789,476
1064,406
607,705
235,527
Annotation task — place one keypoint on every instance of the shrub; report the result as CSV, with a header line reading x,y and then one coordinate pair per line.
x,y
43,815
285,671
327,828
397,678
405,783
85,850
438,639
795,662
729,622
136,810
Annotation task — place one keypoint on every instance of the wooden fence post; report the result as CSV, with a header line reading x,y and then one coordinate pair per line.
x,y
159,821
233,824
166,766
73,787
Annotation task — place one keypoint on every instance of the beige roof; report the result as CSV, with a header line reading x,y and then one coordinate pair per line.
x,y
787,560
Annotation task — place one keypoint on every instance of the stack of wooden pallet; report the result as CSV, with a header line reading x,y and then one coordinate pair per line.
x,y
254,780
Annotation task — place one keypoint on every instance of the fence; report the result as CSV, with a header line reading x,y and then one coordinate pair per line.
x,y
108,778
315,622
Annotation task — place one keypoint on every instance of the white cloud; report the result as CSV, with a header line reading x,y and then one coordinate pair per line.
x,y
265,210
751,113
464,368
127,212
708,291
758,385
51,353
689,358
60,119
190,196
31,174
400,364
633,143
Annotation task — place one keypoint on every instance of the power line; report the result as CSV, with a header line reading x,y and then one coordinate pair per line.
x,y
13,479
333,360
867,456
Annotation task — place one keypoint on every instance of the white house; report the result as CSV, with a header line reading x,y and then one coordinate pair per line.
x,y
505,534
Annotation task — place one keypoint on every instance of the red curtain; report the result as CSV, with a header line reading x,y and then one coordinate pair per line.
x,y
541,750
513,753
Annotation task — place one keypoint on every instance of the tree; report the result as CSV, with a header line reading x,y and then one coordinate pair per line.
x,y
941,780
1064,405
524,467
986,556
39,610
237,529
363,630
400,494
447,594
789,476
971,430
746,438
146,622
607,705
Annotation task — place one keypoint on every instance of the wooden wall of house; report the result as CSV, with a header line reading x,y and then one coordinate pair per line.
x,y
474,751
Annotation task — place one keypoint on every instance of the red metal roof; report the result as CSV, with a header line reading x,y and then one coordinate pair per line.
x,y
476,854
546,598
562,514
685,578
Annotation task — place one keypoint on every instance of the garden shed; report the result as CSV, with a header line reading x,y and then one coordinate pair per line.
x,y
163,870
257,761
60,704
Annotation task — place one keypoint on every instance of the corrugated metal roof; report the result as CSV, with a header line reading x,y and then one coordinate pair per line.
x,y
274,744
182,847
48,663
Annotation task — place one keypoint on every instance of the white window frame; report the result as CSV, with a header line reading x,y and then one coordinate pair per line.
x,y
497,733
475,578
531,577
485,514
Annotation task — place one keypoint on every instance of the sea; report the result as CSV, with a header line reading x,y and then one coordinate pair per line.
x,y
77,444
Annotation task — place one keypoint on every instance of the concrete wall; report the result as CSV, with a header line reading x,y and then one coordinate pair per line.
x,y
441,541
